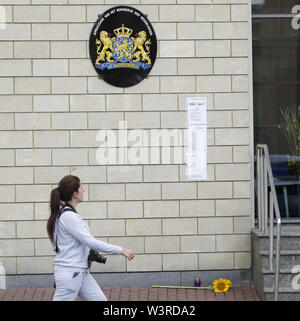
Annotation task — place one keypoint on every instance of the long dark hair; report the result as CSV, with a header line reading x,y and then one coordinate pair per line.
x,y
59,197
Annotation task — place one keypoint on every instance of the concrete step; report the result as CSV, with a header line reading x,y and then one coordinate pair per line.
x,y
264,279
287,279
288,259
289,240
285,294
286,243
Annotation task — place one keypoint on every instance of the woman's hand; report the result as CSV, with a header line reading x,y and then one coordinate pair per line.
x,y
128,254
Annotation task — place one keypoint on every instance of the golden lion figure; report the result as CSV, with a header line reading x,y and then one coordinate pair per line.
x,y
107,48
107,45
138,44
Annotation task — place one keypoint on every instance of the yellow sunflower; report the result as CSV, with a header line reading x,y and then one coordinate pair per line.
x,y
222,285
229,283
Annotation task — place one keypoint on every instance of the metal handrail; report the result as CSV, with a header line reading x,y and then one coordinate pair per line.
x,y
264,175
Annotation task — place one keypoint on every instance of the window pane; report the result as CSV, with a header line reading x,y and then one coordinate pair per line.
x,y
276,89
273,6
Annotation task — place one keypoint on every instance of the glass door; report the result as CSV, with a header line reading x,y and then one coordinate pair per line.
x,y
276,94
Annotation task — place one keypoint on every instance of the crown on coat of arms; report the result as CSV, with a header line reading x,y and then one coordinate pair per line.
x,y
123,31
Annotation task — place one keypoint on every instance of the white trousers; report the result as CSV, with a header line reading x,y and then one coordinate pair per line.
x,y
70,284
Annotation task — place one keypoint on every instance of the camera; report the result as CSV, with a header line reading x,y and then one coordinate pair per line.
x,y
95,256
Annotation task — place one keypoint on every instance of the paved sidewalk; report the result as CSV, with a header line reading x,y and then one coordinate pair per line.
x,y
244,292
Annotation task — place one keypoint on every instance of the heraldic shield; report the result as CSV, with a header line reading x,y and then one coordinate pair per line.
x,y
123,46
123,49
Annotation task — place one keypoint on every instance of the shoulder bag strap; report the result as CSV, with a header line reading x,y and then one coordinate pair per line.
x,y
61,211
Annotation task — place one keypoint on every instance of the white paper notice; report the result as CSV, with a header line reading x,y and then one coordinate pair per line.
x,y
197,139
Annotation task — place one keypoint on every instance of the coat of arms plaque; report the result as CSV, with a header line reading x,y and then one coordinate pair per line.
x,y
123,46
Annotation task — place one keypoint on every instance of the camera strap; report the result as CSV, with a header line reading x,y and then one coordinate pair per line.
x,y
67,207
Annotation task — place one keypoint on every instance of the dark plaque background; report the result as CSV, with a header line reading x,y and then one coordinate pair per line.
x,y
113,19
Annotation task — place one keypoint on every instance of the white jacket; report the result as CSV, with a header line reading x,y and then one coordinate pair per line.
x,y
74,241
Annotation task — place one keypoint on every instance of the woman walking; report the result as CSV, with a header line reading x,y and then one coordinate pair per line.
x,y
72,241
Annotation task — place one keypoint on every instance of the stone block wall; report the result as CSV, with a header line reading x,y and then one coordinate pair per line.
x,y
52,106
